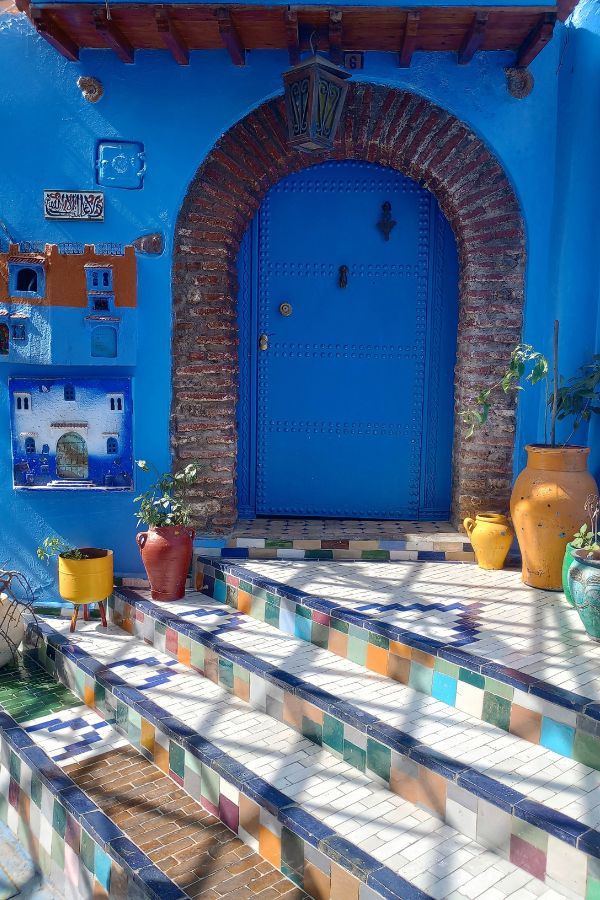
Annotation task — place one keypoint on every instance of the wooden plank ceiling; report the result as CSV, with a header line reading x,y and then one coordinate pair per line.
x,y
126,28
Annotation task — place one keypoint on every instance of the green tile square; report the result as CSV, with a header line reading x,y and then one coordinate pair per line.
x,y
586,749
592,891
357,650
122,718
36,791
258,608
193,764
339,625
303,611
312,730
160,628
226,673
375,554
275,599
496,711
3,807
245,586
356,631
473,678
333,734
292,851
534,836
420,678
99,695
176,758
379,759
499,688
79,682
272,615
379,640
445,667
58,850
87,850
210,785
278,545
318,554
197,655
14,767
319,635
354,756
59,818
240,673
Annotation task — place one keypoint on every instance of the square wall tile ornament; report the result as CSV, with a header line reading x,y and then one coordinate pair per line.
x,y
71,433
121,164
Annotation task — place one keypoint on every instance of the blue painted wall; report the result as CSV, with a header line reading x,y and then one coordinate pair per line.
x,y
49,141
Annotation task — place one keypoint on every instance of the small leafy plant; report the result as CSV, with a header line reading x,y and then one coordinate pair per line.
x,y
577,397
165,501
587,536
55,546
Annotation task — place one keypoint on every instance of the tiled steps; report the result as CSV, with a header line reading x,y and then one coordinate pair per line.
x,y
486,783
527,705
304,810
192,848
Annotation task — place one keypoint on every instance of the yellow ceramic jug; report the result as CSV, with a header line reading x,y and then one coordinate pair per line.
x,y
491,537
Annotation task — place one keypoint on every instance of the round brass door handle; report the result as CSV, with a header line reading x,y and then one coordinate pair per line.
x,y
285,309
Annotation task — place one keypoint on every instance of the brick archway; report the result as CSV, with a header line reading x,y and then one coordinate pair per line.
x,y
394,128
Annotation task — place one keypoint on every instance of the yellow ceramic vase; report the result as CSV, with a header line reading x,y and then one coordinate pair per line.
x,y
86,580
491,537
547,508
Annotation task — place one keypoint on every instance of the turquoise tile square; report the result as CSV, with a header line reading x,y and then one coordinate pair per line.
x,y
102,863
220,591
87,850
558,737
312,730
443,688
176,759
473,678
59,818
379,759
379,640
420,678
302,627
272,615
122,720
258,608
354,756
333,734
357,650
14,767
226,673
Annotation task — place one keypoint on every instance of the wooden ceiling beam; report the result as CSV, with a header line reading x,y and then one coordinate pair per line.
x,y
292,34
335,36
171,38
55,35
536,40
230,37
113,36
474,38
409,40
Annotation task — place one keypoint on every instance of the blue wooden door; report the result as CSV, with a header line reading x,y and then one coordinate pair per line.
x,y
352,347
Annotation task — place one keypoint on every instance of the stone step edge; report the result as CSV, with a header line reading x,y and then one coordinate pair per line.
x,y
410,768
530,707
451,549
181,747
28,766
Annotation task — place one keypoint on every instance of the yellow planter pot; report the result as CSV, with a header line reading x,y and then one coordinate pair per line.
x,y
86,580
491,537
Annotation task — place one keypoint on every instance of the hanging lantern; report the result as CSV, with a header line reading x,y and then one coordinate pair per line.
x,y
315,91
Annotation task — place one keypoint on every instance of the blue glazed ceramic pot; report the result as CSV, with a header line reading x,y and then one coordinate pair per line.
x,y
584,582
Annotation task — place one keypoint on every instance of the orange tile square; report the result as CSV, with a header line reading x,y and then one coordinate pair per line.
x,y
147,736
184,655
338,643
400,650
161,757
241,689
406,787
249,816
316,883
100,892
199,581
344,886
312,712
398,668
377,659
432,792
244,602
424,659
88,695
211,666
269,846
127,625
292,711
525,723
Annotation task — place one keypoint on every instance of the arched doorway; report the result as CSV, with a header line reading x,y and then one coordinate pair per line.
x,y
348,347
396,129
71,457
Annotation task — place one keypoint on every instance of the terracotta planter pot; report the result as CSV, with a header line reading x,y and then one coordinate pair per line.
x,y
547,508
491,537
166,553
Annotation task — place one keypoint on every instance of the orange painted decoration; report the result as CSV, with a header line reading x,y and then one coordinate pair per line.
x,y
547,508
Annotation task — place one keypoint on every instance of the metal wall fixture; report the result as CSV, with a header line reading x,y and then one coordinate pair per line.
x,y
386,224
315,91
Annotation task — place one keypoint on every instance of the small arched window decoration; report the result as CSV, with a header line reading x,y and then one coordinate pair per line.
x,y
45,449
4,339
27,280
104,341
69,392
112,445
29,445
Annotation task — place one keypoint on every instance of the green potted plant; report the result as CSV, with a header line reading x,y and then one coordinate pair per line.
x,y
586,538
549,495
166,548
85,574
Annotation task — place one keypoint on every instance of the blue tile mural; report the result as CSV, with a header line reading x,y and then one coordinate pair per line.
x,y
72,433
